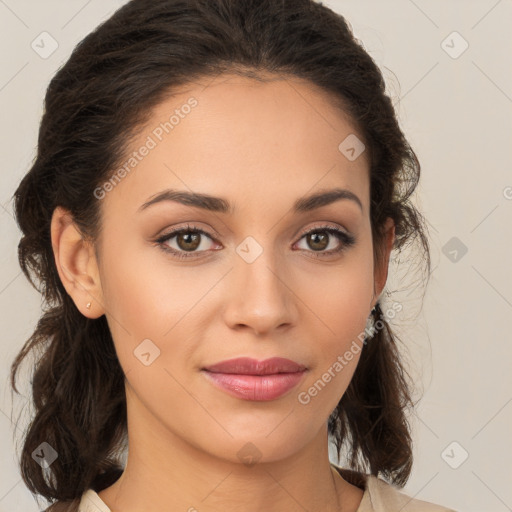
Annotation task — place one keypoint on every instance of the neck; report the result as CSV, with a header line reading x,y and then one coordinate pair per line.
x,y
165,472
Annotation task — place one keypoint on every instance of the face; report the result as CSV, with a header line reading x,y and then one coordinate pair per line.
x,y
262,273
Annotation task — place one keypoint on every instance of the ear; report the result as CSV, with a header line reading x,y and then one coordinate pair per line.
x,y
381,272
76,264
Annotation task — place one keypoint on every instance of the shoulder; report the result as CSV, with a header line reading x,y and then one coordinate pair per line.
x,y
64,506
89,501
385,496
381,496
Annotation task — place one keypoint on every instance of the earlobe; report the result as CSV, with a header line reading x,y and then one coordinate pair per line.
x,y
76,264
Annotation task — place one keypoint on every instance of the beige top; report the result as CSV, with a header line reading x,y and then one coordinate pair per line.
x,y
379,496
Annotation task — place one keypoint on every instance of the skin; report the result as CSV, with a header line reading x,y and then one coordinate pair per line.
x,y
261,147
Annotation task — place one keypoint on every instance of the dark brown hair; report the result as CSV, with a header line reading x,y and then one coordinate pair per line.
x,y
93,106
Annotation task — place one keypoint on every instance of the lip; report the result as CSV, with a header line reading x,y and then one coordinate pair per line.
x,y
249,366
250,379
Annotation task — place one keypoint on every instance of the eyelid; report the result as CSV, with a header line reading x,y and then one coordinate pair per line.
x,y
323,227
187,227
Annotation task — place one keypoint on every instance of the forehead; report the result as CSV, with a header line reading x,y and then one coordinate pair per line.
x,y
238,137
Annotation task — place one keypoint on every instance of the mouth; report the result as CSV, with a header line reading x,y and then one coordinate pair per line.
x,y
249,379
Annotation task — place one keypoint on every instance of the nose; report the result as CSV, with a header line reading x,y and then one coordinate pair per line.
x,y
261,296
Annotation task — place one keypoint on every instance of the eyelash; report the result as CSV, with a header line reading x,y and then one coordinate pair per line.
x,y
346,239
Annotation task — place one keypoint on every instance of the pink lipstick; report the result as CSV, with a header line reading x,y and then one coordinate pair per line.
x,y
250,379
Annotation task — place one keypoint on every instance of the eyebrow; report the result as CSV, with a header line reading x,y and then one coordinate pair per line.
x,y
218,204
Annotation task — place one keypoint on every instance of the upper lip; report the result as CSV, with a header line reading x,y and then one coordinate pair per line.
x,y
249,366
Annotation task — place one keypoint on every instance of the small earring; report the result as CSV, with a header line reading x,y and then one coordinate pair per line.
x,y
370,324
88,306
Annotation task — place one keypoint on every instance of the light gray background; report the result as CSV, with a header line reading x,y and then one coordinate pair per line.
x,y
456,110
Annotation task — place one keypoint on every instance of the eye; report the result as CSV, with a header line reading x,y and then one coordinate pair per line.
x,y
319,238
188,240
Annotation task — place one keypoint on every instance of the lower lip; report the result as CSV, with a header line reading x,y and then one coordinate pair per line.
x,y
255,387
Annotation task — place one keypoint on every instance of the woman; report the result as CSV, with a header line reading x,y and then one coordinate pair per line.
x,y
217,191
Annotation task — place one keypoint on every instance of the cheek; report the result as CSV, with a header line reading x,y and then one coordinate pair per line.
x,y
132,291
340,297
144,292
149,298
340,304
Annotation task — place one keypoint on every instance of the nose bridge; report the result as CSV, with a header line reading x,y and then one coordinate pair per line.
x,y
261,296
